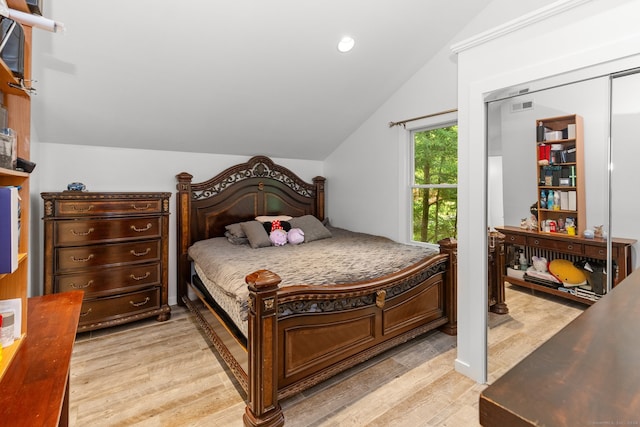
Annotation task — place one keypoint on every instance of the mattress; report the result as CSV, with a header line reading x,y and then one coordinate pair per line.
x,y
346,257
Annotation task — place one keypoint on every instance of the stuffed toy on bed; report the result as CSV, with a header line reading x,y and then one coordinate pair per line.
x,y
278,237
281,233
295,236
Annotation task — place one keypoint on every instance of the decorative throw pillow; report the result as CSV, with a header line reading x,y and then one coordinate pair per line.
x,y
257,235
235,230
235,239
311,226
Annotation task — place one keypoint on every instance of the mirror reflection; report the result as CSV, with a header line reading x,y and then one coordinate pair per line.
x,y
625,150
548,188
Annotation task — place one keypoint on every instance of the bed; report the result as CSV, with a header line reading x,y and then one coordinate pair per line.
x,y
280,317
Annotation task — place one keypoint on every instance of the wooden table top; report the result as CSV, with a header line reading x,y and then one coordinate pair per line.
x,y
586,374
32,391
599,241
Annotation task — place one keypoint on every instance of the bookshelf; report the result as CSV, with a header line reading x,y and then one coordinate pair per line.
x,y
560,164
18,105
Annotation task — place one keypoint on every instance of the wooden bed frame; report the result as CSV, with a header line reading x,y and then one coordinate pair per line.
x,y
292,352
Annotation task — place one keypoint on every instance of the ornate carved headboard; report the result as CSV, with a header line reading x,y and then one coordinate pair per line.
x,y
239,193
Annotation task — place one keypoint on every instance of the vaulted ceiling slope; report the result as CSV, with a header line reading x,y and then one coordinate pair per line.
x,y
229,77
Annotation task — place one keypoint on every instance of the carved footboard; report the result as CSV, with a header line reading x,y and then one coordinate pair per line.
x,y
300,336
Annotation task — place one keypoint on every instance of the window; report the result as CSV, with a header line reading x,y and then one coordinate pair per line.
x,y
434,184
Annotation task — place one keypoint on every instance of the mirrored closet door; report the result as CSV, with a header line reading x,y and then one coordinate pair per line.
x,y
625,152
546,140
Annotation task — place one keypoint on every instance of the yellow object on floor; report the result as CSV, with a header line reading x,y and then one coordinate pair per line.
x,y
567,273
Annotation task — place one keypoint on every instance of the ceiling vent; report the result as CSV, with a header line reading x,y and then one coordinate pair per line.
x,y
521,106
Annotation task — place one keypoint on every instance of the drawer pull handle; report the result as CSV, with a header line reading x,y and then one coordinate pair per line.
x,y
141,208
134,253
139,304
82,209
74,259
82,314
89,283
570,247
512,238
82,233
139,230
147,274
536,242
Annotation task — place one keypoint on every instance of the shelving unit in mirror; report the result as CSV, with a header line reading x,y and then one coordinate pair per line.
x,y
560,166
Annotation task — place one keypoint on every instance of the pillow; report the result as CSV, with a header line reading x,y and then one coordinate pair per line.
x,y
235,239
311,226
269,218
258,237
235,230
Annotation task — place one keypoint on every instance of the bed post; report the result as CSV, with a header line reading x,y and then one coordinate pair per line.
x,y
449,246
263,409
318,181
183,216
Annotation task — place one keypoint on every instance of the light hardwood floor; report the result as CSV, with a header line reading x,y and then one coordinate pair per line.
x,y
165,374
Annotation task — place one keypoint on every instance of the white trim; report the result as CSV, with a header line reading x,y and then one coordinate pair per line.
x,y
404,149
517,24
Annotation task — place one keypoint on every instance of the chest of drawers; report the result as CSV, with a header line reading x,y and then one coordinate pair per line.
x,y
114,247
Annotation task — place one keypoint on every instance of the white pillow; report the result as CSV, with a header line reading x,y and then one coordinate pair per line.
x,y
271,218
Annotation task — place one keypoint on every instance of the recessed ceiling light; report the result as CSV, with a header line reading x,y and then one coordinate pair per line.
x,y
346,44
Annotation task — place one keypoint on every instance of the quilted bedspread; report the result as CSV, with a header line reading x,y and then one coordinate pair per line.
x,y
345,257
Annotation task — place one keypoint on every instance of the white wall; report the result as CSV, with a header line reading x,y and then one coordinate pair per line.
x,y
531,50
116,169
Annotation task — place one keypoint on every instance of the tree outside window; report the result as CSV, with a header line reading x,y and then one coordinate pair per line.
x,y
435,184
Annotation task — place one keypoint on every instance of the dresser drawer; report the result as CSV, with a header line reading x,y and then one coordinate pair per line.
x,y
75,208
109,308
110,281
515,239
598,252
86,257
90,231
555,245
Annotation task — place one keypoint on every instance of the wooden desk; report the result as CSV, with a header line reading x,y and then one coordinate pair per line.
x,y
35,389
587,374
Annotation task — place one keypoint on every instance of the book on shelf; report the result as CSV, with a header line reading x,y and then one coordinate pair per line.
x,y
564,200
9,229
573,200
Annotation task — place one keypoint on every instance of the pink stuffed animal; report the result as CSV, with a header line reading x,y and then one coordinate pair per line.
x,y
295,236
278,237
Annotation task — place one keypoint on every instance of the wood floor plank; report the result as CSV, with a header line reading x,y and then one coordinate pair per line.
x,y
161,374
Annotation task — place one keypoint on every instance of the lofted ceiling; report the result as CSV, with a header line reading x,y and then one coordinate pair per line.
x,y
229,77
